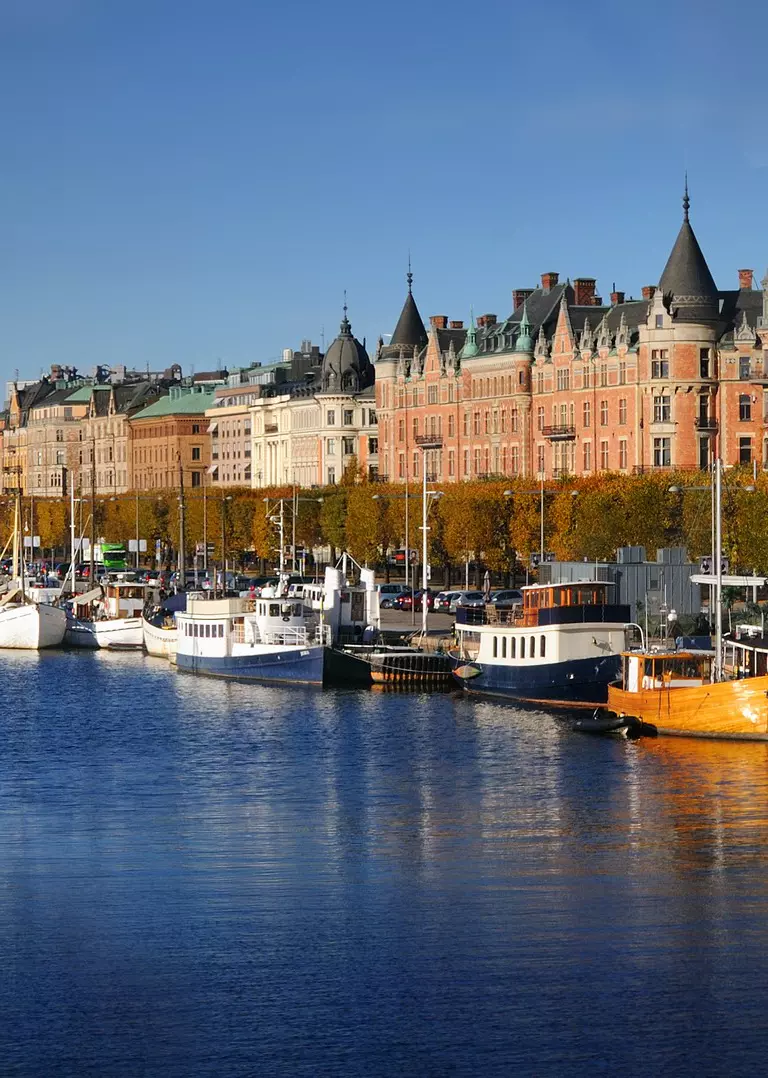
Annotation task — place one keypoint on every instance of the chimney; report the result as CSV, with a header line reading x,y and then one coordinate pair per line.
x,y
616,298
456,325
745,279
584,289
519,296
649,291
488,320
549,280
439,321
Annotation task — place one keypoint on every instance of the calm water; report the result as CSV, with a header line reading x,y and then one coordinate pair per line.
x,y
201,878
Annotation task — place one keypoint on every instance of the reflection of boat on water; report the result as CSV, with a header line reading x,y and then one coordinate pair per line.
x,y
563,646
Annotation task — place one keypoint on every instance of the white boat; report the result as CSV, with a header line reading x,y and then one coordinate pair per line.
x,y
28,625
24,623
110,617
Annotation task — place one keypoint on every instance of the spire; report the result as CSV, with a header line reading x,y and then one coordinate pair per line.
x,y
689,290
470,345
524,341
409,330
345,328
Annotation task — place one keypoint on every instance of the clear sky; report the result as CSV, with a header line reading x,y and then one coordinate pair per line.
x,y
199,180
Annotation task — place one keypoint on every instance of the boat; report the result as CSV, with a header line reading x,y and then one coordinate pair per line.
x,y
267,639
159,627
562,647
24,623
690,693
109,616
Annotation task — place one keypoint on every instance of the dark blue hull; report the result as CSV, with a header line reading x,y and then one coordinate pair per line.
x,y
578,681
298,666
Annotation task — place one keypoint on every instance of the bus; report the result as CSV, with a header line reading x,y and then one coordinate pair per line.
x,y
112,555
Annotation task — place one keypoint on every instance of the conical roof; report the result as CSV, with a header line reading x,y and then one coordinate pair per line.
x,y
346,366
686,283
409,331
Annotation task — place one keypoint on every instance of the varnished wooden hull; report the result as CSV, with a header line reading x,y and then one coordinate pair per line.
x,y
728,709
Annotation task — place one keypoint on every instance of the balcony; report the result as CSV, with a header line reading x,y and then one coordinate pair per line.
x,y
559,433
706,423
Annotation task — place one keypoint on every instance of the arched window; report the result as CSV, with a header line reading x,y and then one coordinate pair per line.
x,y
542,647
522,647
503,647
533,647
495,647
512,647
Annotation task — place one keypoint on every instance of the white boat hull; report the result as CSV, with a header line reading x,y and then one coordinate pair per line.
x,y
160,641
114,633
32,626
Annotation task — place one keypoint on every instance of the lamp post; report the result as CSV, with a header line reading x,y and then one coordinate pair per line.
x,y
225,498
542,493
426,444
407,496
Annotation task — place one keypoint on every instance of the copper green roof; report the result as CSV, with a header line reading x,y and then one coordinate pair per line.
x,y
180,401
83,394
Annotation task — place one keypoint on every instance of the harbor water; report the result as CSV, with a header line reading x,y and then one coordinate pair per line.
x,y
210,878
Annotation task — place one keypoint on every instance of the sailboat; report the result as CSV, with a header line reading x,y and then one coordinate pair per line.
x,y
689,693
24,623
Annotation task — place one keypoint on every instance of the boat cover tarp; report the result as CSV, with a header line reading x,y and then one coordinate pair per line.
x,y
175,603
87,597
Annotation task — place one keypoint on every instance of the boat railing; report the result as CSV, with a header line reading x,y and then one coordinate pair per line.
x,y
298,636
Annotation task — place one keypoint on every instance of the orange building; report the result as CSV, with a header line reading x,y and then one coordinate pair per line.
x,y
171,432
569,385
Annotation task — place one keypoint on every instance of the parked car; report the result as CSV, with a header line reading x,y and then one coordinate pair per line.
x,y
428,597
388,592
402,601
443,600
507,598
472,599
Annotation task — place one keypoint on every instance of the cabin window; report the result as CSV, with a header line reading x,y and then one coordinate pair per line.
x,y
297,610
208,631
274,610
194,630
221,630
495,647
532,652
542,646
522,647
503,647
512,647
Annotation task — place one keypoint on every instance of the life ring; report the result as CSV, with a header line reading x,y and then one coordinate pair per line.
x,y
286,617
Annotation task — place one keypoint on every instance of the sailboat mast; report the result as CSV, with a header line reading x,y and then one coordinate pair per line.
x,y
181,585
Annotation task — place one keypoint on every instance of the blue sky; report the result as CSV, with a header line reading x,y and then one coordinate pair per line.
x,y
195,180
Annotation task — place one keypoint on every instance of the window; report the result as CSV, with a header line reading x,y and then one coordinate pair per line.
x,y
662,409
623,454
587,456
466,462
495,647
401,466
487,422
587,413
662,452
195,452
373,445
416,465
401,430
331,477
659,321
540,419
540,382
512,647
476,423
603,413
330,417
59,456
195,428
532,652
745,408
466,424
586,376
540,460
745,450
451,463
623,412
745,368
604,456
522,647
330,447
431,394
659,363
347,446
348,417
415,426
603,374
196,479
514,420
704,363
451,426
563,378
542,646
59,435
503,647
622,374
563,415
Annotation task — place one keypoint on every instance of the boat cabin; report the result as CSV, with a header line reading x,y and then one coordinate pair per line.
x,y
644,671
124,599
544,597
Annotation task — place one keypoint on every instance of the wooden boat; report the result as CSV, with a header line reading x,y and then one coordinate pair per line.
x,y
673,693
109,619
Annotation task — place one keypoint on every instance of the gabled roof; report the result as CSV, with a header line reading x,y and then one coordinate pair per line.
x,y
180,402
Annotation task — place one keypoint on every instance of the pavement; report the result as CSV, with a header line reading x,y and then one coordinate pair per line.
x,y
406,622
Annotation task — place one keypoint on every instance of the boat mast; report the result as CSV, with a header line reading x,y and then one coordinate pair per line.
x,y
182,581
718,554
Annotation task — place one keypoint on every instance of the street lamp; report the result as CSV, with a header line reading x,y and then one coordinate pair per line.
x,y
541,492
407,496
426,444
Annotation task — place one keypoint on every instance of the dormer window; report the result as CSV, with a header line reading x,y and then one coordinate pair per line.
x,y
659,321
